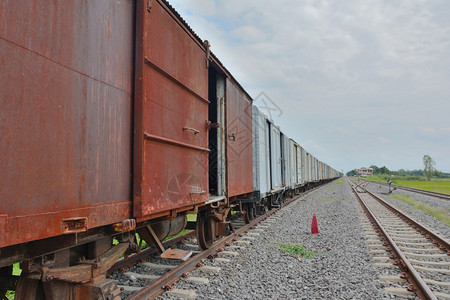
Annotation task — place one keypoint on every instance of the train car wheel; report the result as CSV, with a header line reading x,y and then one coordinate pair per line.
x,y
204,231
29,289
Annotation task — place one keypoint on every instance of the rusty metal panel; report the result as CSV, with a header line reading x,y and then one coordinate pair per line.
x,y
239,141
66,80
171,110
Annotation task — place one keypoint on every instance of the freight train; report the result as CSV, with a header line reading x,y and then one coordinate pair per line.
x,y
117,119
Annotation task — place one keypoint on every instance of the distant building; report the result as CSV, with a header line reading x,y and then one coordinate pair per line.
x,y
365,171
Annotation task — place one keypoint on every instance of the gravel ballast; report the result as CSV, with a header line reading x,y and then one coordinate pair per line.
x,y
342,268
418,215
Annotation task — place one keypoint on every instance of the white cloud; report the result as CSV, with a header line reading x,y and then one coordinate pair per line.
x,y
383,140
385,156
342,72
314,147
427,131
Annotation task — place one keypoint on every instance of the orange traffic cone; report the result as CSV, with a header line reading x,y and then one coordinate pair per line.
x,y
314,226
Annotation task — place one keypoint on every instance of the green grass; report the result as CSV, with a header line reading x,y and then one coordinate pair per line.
x,y
435,185
10,295
439,213
172,236
16,271
296,250
340,181
385,177
192,218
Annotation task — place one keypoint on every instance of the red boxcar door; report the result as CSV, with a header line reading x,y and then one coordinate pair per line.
x,y
239,141
171,110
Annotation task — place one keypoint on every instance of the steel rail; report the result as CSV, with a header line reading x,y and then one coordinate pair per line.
x,y
410,189
424,192
133,259
421,288
166,281
429,234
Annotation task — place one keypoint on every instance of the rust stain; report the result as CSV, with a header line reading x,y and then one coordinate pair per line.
x,y
172,92
108,26
57,137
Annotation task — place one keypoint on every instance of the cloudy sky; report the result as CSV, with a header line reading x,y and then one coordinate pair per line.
x,y
356,83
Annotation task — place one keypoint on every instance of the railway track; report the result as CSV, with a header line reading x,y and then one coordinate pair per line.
x,y
422,256
148,275
409,189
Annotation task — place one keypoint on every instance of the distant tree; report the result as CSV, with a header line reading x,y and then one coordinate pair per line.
x,y
428,166
445,175
402,172
352,172
384,170
375,169
417,172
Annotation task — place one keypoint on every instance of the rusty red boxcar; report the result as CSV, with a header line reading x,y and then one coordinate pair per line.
x,y
66,86
115,118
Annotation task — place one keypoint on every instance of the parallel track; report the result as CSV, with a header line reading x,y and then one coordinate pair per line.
x,y
422,263
409,189
165,282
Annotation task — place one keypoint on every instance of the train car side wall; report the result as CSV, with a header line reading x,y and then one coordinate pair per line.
x,y
285,161
66,86
171,110
292,176
275,157
300,178
239,141
261,167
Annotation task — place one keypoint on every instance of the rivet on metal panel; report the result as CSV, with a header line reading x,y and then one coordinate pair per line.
x,y
149,5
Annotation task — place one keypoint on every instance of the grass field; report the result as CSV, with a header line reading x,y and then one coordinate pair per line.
x,y
434,185
439,213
